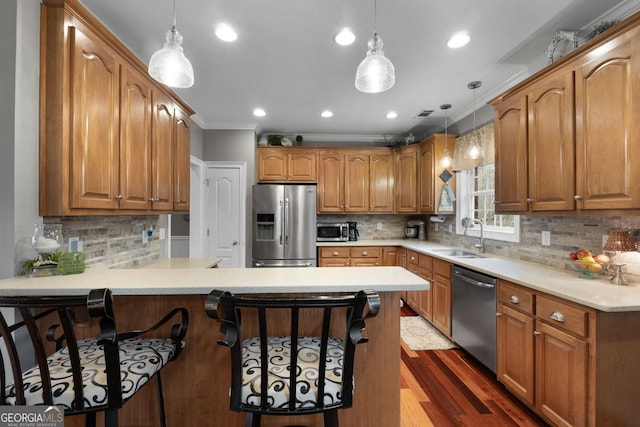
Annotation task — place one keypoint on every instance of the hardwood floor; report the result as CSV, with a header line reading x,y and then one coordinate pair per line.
x,y
445,388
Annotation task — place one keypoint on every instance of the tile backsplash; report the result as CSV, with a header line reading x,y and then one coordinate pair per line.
x,y
112,241
568,233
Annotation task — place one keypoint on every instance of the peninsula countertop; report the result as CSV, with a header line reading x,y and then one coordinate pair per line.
x,y
200,281
598,294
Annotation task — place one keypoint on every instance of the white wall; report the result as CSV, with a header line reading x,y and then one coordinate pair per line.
x,y
26,135
7,133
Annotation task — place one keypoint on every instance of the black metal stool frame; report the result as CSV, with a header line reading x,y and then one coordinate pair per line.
x,y
227,308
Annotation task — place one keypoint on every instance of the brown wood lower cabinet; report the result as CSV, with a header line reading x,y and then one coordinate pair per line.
x,y
573,365
441,296
359,256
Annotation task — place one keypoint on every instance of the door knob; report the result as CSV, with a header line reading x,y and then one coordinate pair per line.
x,y
235,242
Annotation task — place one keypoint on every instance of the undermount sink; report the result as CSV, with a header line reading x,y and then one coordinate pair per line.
x,y
458,253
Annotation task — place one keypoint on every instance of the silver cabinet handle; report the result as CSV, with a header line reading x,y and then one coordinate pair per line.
x,y
335,253
529,200
514,299
119,197
364,253
536,333
577,197
557,316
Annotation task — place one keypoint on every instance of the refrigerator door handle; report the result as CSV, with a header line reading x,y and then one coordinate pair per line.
x,y
286,221
281,214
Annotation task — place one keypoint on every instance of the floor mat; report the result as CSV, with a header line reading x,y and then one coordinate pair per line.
x,y
419,334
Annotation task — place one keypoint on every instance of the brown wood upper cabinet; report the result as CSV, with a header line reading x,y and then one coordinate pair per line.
x,y
287,164
566,137
107,143
355,180
430,185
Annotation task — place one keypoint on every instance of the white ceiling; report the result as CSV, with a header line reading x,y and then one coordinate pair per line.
x,y
285,60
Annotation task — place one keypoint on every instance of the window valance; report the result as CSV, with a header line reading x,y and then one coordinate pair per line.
x,y
486,139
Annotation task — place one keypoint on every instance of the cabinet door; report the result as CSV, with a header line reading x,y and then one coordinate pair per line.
x,y
381,182
95,88
515,352
510,121
561,376
272,164
356,183
135,141
441,294
426,186
406,182
551,144
302,166
162,153
330,182
425,270
389,256
182,163
607,126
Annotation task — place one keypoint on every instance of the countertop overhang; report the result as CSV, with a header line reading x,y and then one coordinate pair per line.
x,y
183,281
597,293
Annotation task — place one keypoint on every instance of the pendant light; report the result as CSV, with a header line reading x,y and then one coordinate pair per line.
x,y
169,65
474,151
445,161
375,73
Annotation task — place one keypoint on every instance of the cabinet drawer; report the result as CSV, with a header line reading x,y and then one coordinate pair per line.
x,y
516,297
365,252
561,315
442,268
334,252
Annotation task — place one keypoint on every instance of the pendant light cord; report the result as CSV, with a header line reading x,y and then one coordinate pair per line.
x,y
174,14
375,16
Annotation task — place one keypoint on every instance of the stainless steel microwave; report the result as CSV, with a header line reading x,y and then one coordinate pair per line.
x,y
333,232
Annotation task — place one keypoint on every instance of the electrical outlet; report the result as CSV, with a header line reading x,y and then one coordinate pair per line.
x,y
379,226
75,244
450,228
145,237
605,237
546,238
437,226
161,234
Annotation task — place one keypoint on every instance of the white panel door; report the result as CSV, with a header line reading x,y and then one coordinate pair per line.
x,y
225,216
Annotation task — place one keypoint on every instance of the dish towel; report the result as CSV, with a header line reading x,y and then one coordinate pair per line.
x,y
446,199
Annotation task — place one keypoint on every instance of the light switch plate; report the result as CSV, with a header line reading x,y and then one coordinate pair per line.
x,y
546,238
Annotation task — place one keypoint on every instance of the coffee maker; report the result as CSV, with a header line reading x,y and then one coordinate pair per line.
x,y
353,231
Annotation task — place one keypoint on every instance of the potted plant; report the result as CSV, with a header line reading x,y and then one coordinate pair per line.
x,y
274,139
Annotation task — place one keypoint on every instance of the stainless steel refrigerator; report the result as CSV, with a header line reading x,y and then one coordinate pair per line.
x,y
284,225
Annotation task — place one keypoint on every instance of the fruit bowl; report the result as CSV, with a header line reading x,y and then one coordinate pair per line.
x,y
587,271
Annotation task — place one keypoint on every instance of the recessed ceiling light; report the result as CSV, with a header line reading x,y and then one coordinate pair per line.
x,y
458,40
345,37
259,112
326,114
392,115
226,33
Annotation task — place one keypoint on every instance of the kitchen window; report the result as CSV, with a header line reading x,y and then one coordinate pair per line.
x,y
476,196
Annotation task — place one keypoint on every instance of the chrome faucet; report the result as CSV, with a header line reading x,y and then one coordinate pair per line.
x,y
468,223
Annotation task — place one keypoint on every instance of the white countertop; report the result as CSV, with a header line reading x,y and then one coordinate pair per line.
x,y
181,281
598,293
184,263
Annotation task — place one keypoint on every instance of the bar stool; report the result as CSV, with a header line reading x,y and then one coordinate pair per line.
x,y
83,376
273,374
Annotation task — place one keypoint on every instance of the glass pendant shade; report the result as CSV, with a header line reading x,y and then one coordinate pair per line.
x,y
169,65
375,73
474,151
445,161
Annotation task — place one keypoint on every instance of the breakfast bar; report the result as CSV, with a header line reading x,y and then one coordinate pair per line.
x,y
197,384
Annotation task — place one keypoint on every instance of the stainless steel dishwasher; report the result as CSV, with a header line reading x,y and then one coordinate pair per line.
x,y
473,314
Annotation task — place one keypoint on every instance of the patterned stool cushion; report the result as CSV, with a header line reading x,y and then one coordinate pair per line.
x,y
140,359
279,351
